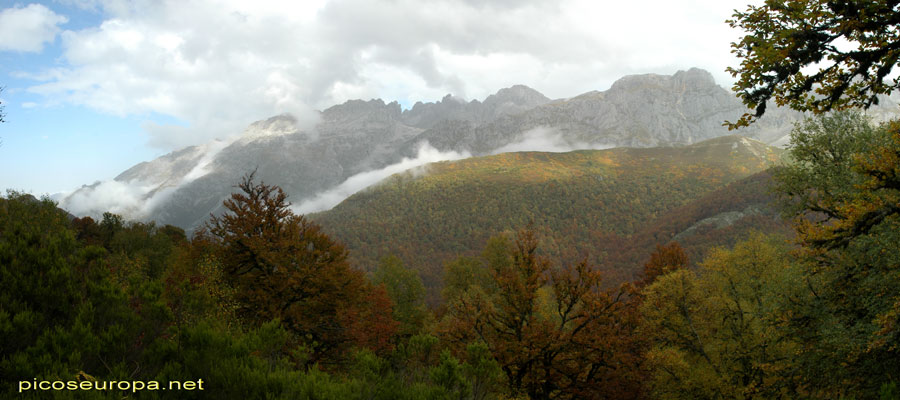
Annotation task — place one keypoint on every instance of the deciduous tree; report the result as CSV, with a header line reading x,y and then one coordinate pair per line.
x,y
60,310
370,324
718,333
283,266
816,55
665,259
556,333
843,192
407,292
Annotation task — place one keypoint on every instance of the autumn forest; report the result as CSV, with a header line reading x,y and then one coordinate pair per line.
x,y
593,274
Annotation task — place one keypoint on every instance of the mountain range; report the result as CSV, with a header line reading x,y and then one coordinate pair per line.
x,y
357,143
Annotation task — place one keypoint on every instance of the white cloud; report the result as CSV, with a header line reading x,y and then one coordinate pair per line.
x,y
216,67
219,65
332,197
28,28
136,199
123,198
548,140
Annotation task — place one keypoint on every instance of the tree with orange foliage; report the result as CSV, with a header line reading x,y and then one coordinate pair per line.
x,y
555,332
283,266
665,259
370,324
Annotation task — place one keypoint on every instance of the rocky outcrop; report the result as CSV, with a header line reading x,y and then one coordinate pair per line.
x,y
720,220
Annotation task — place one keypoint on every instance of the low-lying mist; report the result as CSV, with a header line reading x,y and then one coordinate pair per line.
x,y
549,140
137,199
332,197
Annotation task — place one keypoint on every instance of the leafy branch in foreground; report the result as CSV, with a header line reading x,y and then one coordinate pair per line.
x,y
815,55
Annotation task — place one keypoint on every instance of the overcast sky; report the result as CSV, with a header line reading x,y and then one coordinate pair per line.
x,y
93,87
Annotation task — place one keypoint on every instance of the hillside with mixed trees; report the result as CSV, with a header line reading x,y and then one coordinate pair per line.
x,y
580,202
262,303
722,217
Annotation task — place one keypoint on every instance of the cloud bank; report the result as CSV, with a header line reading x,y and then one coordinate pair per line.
x,y
549,140
136,199
215,66
126,199
332,197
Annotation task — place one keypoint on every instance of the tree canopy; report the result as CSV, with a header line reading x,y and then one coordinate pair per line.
x,y
283,266
553,330
815,55
841,189
406,291
723,322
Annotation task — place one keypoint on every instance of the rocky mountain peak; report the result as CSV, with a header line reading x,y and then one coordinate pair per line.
x,y
632,82
694,77
283,124
451,99
508,101
425,115
356,109
519,95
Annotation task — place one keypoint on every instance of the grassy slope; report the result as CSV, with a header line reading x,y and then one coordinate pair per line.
x,y
582,202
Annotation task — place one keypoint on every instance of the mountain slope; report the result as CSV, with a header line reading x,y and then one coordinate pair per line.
x,y
719,218
429,215
307,159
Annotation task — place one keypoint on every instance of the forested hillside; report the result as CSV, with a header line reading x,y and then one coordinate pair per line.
x,y
263,303
580,201
720,218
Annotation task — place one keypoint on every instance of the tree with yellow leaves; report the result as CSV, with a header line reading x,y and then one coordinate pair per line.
x,y
718,332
